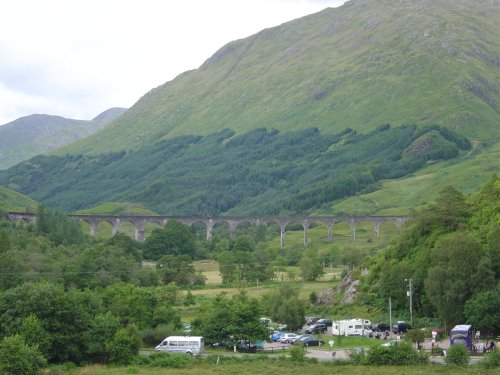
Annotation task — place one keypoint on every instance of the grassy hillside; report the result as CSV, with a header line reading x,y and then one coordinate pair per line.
x,y
400,195
13,201
116,208
366,63
36,134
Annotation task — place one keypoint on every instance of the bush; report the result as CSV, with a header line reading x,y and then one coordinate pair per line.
x,y
153,336
16,357
457,355
491,360
297,354
401,354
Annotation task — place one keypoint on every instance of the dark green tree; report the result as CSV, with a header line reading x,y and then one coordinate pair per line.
x,y
483,311
452,280
231,320
311,266
175,239
19,358
285,306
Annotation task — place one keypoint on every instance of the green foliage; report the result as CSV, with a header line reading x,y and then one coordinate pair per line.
x,y
124,345
231,320
401,354
19,358
162,359
415,336
297,353
483,311
457,355
311,266
491,360
285,307
100,335
179,269
174,239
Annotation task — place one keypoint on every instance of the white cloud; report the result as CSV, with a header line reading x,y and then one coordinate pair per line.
x,y
78,58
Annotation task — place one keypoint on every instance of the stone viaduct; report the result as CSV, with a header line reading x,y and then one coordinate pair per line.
x,y
140,222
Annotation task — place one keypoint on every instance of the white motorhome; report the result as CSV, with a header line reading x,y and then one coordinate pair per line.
x,y
192,345
351,327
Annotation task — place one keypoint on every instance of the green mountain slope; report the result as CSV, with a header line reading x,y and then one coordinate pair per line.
x,y
366,63
13,201
36,134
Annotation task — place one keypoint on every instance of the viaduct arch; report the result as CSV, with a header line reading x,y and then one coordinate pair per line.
x,y
140,222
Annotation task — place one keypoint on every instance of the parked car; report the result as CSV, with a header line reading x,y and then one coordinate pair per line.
x,y
381,327
310,320
326,322
316,328
401,327
276,336
287,338
297,337
246,346
309,341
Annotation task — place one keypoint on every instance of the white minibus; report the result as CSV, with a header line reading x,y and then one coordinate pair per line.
x,y
192,345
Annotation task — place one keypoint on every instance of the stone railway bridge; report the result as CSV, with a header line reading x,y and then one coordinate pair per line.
x,y
140,222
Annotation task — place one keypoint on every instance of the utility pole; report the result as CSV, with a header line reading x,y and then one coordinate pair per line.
x,y
390,314
409,293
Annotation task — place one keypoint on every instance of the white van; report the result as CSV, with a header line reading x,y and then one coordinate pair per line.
x,y
192,345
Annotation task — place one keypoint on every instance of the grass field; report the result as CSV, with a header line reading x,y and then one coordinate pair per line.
x,y
276,366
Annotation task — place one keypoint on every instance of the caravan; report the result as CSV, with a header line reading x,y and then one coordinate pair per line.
x,y
192,345
352,327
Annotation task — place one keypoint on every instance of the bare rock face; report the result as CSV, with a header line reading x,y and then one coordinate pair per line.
x,y
350,289
347,288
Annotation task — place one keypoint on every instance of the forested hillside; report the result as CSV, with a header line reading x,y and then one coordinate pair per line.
x,y
451,251
259,172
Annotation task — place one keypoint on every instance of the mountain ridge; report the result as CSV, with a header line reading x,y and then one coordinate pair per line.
x,y
35,134
363,64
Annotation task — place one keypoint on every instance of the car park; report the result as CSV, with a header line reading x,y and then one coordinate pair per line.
x,y
316,328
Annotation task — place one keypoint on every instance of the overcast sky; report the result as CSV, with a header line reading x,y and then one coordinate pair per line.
x,y
77,58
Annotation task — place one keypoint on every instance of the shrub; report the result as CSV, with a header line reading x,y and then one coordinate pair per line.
x,y
491,360
297,354
153,336
401,354
457,355
125,345
16,357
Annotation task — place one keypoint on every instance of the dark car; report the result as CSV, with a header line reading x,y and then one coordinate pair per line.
x,y
309,341
401,327
381,327
311,320
316,328
326,322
